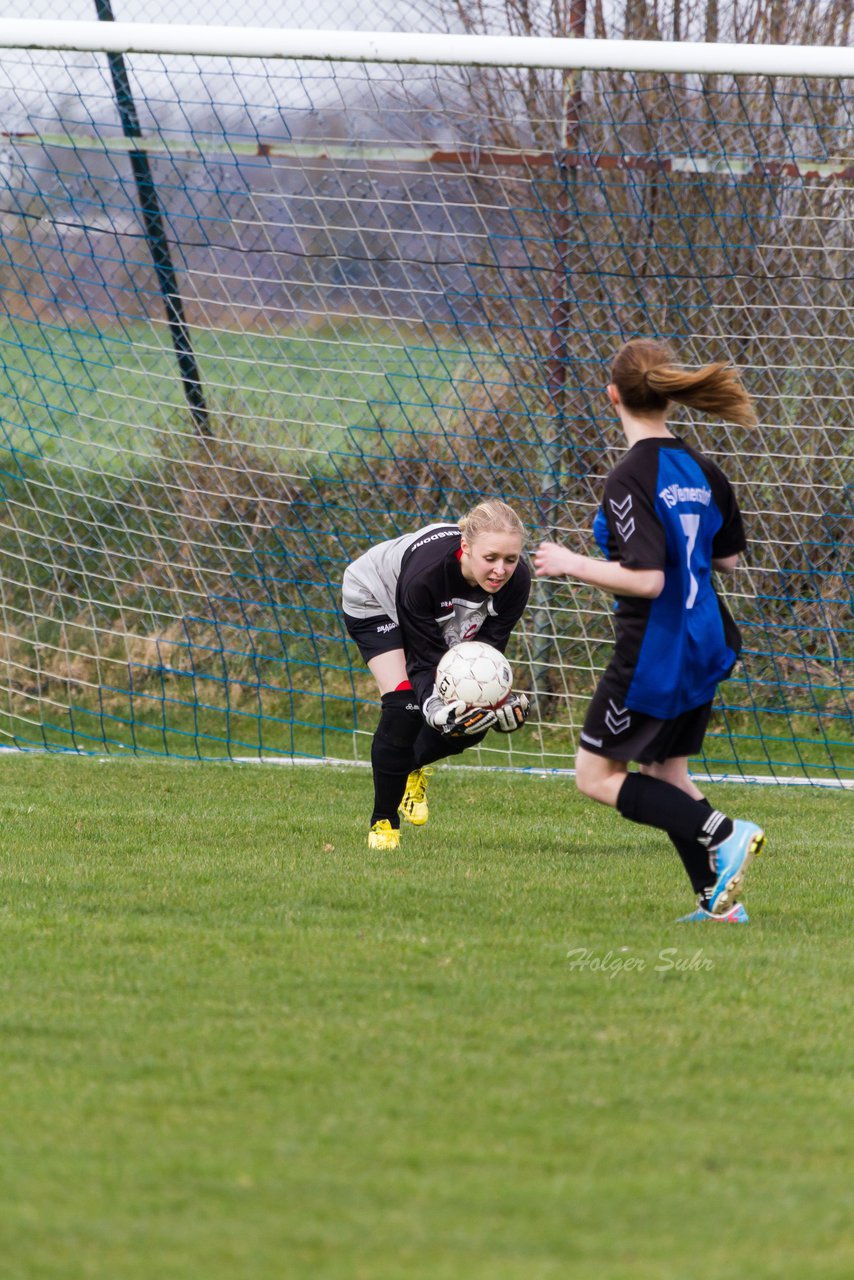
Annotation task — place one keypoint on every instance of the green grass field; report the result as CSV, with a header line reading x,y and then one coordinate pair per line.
x,y
237,1044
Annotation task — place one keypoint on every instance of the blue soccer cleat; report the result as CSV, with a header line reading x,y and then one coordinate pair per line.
x,y
731,860
735,915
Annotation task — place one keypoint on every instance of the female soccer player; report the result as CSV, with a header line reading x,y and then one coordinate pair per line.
x,y
406,602
668,518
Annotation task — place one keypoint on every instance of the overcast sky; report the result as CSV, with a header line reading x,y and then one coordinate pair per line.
x,y
352,15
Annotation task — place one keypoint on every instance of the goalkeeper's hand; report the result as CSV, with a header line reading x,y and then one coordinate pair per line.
x,y
438,713
456,719
512,714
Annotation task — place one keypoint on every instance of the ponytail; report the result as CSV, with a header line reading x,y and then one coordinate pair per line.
x,y
648,379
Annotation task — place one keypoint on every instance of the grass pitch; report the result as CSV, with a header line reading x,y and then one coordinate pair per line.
x,y
236,1043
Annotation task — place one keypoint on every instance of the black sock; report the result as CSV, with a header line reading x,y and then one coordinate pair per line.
x,y
654,803
695,858
391,752
717,828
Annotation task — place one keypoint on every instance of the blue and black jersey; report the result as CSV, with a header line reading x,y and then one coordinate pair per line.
x,y
668,507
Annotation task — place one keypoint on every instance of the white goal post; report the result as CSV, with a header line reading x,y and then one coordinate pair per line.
x,y
430,49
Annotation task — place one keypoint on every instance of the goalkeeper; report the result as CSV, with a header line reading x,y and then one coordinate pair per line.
x,y
405,603
668,519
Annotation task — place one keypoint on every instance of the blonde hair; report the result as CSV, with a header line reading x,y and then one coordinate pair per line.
x,y
492,516
648,378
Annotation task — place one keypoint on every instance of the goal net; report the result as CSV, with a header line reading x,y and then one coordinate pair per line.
x,y
271,296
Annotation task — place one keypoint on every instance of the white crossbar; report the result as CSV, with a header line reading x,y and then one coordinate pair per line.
x,y
429,48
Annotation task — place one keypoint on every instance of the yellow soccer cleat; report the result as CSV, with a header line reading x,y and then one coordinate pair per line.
x,y
383,835
413,806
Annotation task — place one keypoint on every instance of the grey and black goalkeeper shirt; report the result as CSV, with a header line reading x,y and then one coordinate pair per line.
x,y
416,581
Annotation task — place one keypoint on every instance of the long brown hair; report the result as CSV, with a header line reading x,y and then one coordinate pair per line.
x,y
648,378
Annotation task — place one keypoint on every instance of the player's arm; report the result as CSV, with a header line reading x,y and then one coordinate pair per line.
x,y
424,645
634,536
423,641
554,561
730,540
511,604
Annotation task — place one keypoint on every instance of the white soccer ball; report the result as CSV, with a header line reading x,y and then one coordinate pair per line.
x,y
474,673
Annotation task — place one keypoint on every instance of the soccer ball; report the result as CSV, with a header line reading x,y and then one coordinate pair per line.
x,y
474,673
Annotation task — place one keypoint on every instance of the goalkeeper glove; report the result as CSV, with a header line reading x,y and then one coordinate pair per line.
x,y
512,714
455,718
437,713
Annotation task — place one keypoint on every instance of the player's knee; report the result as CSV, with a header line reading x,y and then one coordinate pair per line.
x,y
454,746
586,784
584,779
597,777
400,720
431,746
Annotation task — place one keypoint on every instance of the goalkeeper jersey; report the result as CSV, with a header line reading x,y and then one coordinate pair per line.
x,y
416,581
668,507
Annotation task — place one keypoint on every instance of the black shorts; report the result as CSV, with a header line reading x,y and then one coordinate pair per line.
x,y
611,730
375,635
